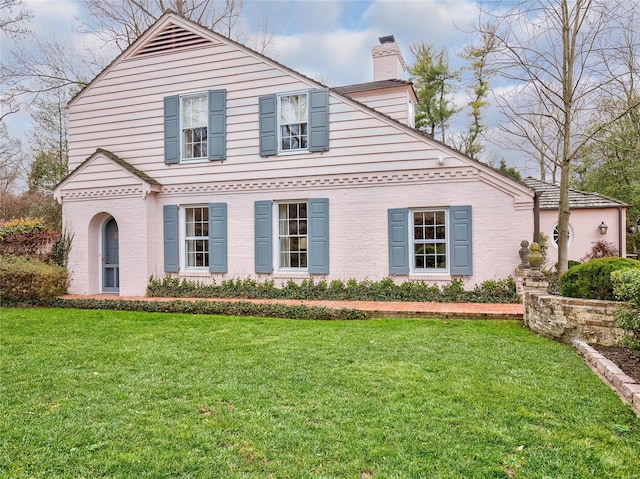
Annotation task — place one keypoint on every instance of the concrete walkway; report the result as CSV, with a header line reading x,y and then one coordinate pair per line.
x,y
386,309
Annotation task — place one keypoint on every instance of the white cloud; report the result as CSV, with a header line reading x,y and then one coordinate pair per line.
x,y
339,57
54,17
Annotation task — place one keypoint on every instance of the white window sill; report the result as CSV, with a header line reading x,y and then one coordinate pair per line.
x,y
429,276
291,273
204,272
292,152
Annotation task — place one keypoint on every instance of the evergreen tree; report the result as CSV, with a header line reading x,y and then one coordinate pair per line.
x,y
432,78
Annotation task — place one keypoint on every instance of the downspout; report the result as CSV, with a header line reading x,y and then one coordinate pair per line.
x,y
621,232
536,217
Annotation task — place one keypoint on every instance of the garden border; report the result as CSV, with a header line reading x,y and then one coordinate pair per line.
x,y
625,387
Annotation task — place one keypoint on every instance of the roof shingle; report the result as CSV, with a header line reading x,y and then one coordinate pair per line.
x,y
549,197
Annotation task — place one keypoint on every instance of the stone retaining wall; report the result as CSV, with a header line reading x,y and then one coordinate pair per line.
x,y
566,319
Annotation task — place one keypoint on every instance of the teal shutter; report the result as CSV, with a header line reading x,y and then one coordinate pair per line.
x,y
268,124
217,128
398,241
218,237
171,255
263,237
172,129
460,240
319,120
318,241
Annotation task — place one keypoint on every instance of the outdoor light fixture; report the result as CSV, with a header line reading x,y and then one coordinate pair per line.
x,y
603,228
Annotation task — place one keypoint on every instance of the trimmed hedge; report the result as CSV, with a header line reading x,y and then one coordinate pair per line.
x,y
592,280
28,279
493,291
205,307
626,287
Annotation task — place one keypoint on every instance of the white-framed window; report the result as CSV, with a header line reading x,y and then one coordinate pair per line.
x,y
293,115
292,235
194,122
196,237
429,236
556,234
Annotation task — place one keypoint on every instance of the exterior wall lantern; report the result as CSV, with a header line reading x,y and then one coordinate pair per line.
x,y
603,228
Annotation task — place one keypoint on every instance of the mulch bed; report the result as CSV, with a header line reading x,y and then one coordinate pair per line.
x,y
625,358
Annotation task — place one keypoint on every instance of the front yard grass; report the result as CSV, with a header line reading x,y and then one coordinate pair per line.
x,y
113,394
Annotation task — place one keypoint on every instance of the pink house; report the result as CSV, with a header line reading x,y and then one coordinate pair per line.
x,y
593,218
194,156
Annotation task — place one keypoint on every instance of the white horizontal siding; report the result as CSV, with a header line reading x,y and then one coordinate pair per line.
x,y
123,113
393,102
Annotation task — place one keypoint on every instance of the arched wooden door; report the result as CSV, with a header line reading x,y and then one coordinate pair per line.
x,y
110,258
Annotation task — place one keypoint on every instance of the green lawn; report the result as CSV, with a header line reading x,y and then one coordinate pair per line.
x,y
138,395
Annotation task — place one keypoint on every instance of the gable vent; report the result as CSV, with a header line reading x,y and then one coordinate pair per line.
x,y
171,38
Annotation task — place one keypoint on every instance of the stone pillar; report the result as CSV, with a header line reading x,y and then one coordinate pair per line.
x,y
534,285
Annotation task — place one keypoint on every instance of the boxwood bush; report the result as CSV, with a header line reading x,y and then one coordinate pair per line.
x,y
492,291
29,279
299,311
592,280
626,287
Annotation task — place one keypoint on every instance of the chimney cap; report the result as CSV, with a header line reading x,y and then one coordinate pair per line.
x,y
386,39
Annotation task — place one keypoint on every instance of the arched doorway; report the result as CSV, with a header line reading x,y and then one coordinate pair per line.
x,y
110,258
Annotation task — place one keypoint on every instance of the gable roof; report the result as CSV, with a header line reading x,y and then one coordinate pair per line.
x,y
549,197
172,26
159,36
151,184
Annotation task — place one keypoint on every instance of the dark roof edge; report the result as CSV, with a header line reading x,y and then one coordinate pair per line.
x,y
119,161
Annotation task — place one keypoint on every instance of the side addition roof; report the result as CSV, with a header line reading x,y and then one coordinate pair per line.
x,y
549,197
107,166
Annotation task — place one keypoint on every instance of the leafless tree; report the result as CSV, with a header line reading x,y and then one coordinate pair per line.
x,y
552,49
121,23
12,160
13,17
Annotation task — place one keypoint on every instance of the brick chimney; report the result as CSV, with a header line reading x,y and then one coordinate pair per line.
x,y
388,63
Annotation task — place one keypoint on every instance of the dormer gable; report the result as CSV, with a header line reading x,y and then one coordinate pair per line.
x,y
105,174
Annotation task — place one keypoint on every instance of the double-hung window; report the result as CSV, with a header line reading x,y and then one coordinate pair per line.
x,y
194,126
294,122
430,240
292,235
429,228
294,118
196,239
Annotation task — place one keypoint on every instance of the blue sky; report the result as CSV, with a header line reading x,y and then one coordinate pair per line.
x,y
329,40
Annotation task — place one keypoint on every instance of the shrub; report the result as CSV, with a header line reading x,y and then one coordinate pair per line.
x,y
210,307
493,291
572,263
592,280
28,279
31,205
601,249
626,287
27,237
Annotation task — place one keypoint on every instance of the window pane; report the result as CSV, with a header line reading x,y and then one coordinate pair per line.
x,y
194,121
292,233
196,237
429,240
293,122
